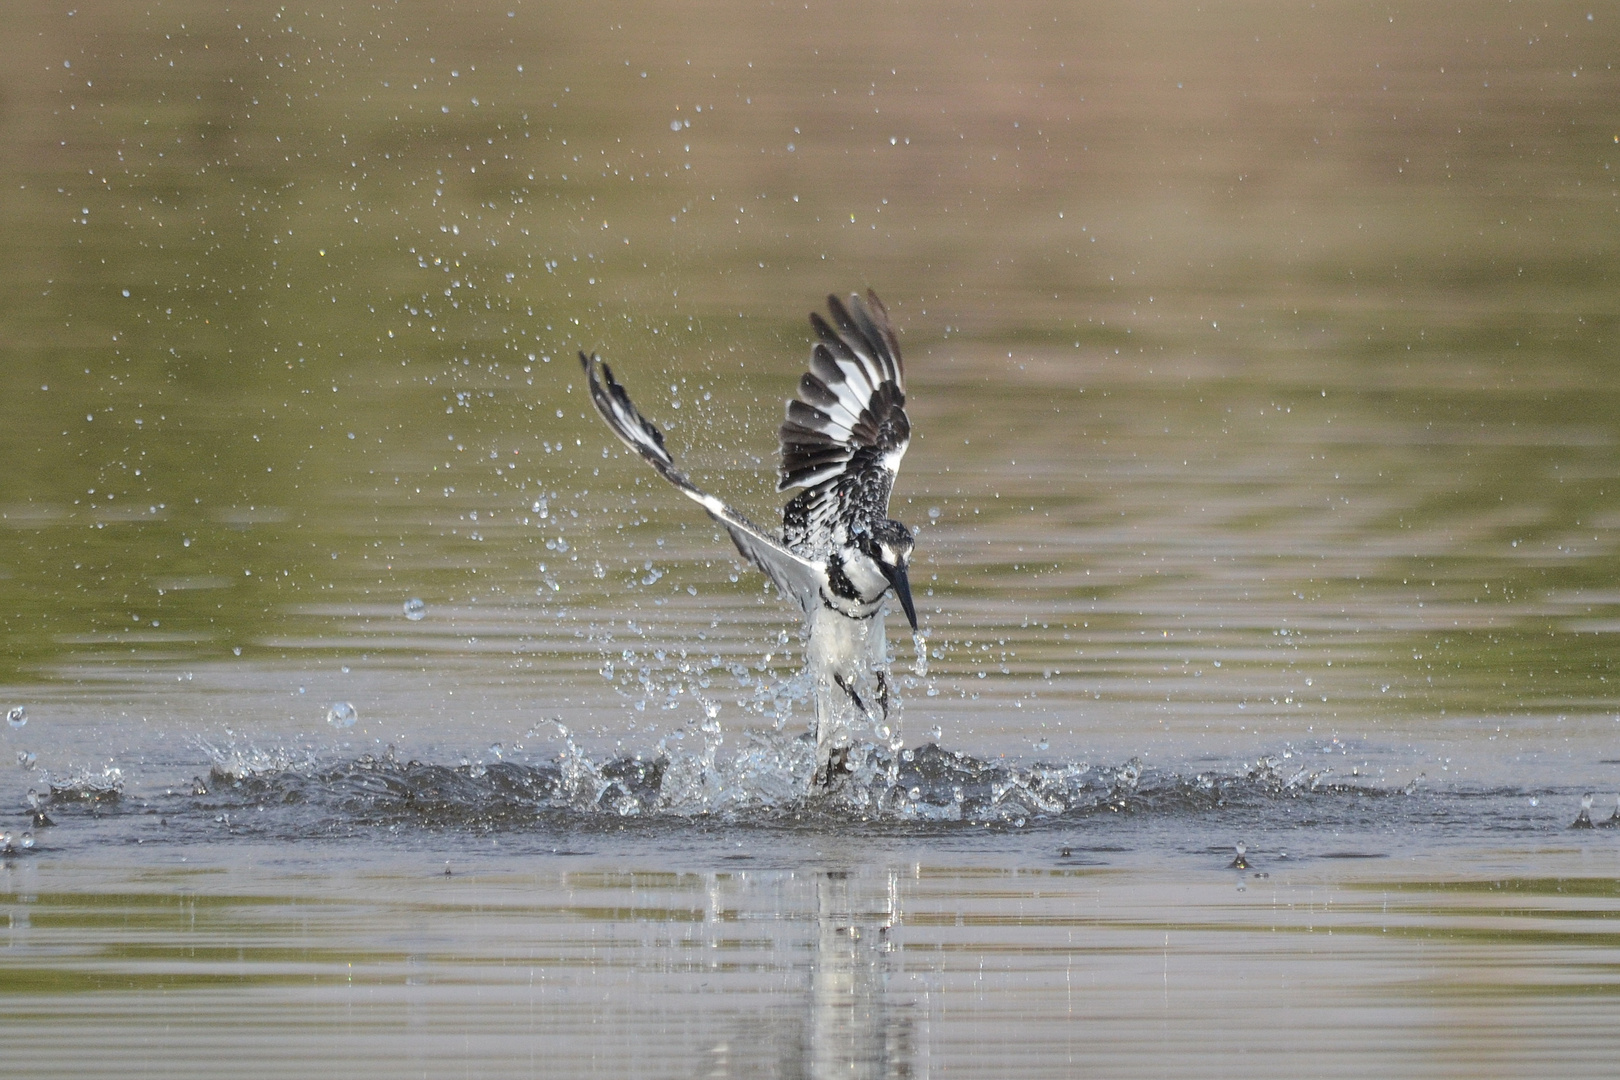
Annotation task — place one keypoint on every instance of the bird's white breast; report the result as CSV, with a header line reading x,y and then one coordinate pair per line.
x,y
850,648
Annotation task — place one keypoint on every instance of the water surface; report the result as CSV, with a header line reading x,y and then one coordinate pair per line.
x,y
1260,364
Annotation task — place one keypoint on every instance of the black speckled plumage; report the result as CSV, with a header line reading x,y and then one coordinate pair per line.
x,y
839,554
844,436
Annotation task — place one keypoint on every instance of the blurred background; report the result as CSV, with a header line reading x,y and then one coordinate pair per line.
x,y
1261,359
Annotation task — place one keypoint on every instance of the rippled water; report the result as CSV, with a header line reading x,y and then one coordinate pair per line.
x,y
370,707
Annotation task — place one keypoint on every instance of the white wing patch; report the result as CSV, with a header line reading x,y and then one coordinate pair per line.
x,y
794,575
852,398
847,430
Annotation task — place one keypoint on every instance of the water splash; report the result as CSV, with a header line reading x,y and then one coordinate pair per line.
x,y
252,760
756,776
87,785
1583,820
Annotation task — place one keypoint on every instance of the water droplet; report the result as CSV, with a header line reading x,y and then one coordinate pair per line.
x,y
17,716
342,715
933,513
26,759
28,841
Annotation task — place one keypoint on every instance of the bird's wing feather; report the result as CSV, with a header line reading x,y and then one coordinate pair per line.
x,y
794,575
847,431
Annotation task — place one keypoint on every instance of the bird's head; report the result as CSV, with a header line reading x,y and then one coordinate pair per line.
x,y
888,544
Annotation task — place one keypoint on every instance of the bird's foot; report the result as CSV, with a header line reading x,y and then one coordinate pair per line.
x,y
836,768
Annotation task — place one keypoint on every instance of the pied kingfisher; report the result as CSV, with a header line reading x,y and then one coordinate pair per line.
x,y
839,552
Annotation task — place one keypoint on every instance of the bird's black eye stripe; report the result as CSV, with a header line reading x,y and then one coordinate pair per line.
x,y
838,581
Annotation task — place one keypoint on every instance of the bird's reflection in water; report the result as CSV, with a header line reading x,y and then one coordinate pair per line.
x,y
854,1028
855,1016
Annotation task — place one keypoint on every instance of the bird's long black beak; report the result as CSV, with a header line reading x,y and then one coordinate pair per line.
x,y
902,589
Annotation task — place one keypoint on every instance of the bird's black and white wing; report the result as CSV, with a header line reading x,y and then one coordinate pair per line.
x,y
847,431
791,573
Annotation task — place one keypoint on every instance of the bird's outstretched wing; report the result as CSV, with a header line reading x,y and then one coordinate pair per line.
x,y
847,431
791,573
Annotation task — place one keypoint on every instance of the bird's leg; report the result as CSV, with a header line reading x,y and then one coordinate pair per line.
x,y
833,761
853,696
882,678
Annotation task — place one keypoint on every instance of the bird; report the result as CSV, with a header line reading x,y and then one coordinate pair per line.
x,y
838,555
